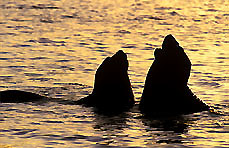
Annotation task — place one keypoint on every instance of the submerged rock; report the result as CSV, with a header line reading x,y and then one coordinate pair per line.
x,y
17,96
112,89
166,90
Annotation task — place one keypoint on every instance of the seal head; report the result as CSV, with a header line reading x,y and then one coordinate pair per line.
x,y
112,89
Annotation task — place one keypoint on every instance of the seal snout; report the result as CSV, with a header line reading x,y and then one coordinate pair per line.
x,y
120,53
120,56
169,42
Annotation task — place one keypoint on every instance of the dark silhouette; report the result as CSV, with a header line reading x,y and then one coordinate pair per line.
x,y
166,91
17,96
112,89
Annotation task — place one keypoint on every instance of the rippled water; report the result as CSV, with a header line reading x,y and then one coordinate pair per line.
x,y
54,48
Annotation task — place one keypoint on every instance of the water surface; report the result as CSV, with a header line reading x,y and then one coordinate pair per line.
x,y
54,48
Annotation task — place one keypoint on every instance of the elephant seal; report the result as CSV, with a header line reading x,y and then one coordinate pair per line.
x,y
112,89
166,91
17,96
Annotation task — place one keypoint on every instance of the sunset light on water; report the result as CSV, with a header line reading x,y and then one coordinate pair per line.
x,y
54,48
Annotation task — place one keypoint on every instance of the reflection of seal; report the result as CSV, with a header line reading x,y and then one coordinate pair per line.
x,y
166,89
16,96
112,89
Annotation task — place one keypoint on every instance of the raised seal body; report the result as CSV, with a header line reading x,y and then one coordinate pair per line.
x,y
166,90
112,89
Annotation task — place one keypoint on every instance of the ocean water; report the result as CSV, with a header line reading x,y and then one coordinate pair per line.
x,y
54,48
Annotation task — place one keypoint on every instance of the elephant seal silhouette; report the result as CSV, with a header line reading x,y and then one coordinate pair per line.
x,y
112,89
18,96
166,90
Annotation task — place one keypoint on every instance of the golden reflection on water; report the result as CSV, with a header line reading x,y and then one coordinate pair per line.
x,y
51,43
